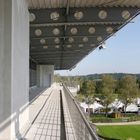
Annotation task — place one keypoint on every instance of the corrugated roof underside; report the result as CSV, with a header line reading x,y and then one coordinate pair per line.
x,y
39,4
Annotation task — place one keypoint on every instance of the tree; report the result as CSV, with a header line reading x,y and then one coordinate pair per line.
x,y
128,90
138,81
91,86
98,86
57,78
83,87
107,90
88,90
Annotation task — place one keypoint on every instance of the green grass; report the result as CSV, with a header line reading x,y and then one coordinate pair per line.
x,y
122,132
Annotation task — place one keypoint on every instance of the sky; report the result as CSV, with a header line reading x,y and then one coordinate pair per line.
x,y
122,54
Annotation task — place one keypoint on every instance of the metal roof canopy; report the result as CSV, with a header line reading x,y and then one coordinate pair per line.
x,y
64,36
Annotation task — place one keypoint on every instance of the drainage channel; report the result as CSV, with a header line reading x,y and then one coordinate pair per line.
x,y
63,130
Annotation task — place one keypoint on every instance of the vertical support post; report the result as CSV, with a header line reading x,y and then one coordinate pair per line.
x,y
45,75
14,68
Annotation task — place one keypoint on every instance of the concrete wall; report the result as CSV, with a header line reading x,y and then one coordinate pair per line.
x,y
45,75
14,68
5,69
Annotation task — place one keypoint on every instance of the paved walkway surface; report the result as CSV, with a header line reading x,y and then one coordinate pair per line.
x,y
48,122
120,123
37,103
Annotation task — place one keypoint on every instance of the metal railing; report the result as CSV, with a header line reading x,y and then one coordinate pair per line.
x,y
83,130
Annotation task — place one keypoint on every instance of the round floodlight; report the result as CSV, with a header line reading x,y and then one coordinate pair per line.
x,y
71,39
85,39
91,30
54,16
32,17
125,14
57,46
99,38
109,30
78,15
38,32
73,31
69,46
42,41
56,31
45,47
92,45
102,14
57,40
81,45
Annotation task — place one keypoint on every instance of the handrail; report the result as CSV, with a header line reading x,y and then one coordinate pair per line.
x,y
89,134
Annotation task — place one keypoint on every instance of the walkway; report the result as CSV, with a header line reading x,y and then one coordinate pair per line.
x,y
50,124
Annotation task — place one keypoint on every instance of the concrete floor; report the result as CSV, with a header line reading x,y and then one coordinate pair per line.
x,y
48,122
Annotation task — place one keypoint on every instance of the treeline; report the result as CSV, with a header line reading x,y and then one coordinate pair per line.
x,y
114,75
107,87
72,80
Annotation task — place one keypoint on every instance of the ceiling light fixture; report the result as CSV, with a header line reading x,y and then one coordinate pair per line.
x,y
57,46
71,39
99,38
56,31
38,32
32,17
125,14
42,41
45,47
81,45
78,15
85,39
57,40
54,16
92,45
74,31
109,30
102,14
91,30
69,46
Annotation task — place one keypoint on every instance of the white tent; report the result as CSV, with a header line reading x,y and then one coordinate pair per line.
x,y
84,106
132,108
95,106
116,104
138,101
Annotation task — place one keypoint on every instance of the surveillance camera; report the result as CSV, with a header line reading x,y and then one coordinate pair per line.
x,y
102,47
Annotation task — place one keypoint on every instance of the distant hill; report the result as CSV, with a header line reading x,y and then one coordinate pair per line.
x,y
115,75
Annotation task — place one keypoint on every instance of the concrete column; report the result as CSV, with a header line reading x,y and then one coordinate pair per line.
x,y
14,68
45,75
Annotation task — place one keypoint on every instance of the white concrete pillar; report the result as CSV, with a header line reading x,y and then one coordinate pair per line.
x,y
45,75
14,68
